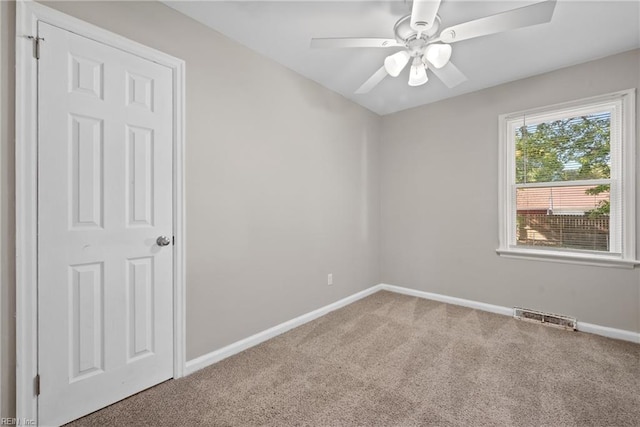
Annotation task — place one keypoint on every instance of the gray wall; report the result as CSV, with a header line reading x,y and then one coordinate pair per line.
x,y
439,207
280,183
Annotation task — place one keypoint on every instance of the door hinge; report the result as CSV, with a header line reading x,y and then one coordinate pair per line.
x,y
173,240
36,45
36,385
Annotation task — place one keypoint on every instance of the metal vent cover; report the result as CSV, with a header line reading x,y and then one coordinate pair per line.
x,y
557,320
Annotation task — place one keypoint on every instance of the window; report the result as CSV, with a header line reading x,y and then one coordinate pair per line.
x,y
567,182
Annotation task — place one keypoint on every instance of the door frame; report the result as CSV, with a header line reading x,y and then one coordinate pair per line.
x,y
28,14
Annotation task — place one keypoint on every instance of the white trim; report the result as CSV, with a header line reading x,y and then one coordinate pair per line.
x,y
203,361
576,104
179,221
498,309
28,13
623,183
567,257
209,359
26,211
555,184
605,331
629,177
504,177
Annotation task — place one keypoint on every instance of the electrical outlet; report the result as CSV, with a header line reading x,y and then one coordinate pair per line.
x,y
330,279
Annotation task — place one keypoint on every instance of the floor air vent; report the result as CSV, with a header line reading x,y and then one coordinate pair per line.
x,y
563,322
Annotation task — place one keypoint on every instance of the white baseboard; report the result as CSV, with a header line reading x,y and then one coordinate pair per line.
x,y
605,331
238,346
449,300
205,360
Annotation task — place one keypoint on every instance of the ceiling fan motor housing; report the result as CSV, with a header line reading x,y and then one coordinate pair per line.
x,y
405,33
423,14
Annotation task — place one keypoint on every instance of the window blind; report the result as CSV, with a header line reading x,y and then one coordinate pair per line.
x,y
563,186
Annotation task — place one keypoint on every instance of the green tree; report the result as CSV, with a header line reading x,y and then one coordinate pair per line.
x,y
604,206
564,150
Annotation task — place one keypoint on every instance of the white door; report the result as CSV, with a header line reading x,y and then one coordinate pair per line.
x,y
105,286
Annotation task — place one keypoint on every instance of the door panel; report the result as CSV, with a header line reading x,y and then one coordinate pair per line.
x,y
140,176
140,307
86,163
105,288
86,311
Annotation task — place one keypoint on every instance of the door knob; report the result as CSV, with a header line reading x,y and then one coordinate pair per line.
x,y
163,241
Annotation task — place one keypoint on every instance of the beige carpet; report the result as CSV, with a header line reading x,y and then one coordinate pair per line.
x,y
390,360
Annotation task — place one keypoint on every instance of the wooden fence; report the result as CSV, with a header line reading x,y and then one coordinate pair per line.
x,y
565,231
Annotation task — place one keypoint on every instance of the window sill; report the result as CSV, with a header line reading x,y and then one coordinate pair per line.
x,y
568,258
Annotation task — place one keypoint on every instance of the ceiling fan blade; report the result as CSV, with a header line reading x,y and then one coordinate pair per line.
x,y
423,14
353,42
538,13
376,78
450,75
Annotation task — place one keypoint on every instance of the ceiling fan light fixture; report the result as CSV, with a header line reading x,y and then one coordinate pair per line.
x,y
417,33
438,54
418,74
395,63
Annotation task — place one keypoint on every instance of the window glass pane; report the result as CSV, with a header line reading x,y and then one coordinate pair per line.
x,y
574,148
575,217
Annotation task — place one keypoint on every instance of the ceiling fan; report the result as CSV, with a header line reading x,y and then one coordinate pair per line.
x,y
417,34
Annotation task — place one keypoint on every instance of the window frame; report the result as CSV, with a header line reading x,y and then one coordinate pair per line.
x,y
622,104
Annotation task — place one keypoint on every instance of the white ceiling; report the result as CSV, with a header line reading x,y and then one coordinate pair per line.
x,y
579,31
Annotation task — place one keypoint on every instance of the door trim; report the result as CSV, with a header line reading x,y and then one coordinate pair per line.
x,y
28,14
